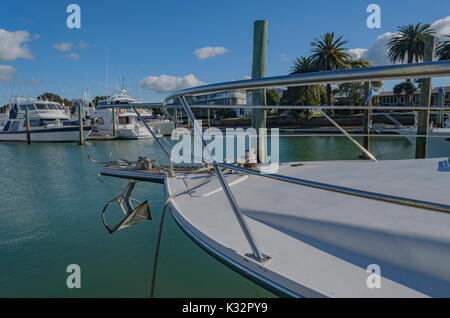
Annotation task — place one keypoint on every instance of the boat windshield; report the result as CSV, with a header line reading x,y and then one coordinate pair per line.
x,y
41,106
30,107
52,106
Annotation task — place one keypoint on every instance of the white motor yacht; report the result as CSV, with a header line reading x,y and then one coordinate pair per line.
x,y
48,122
126,124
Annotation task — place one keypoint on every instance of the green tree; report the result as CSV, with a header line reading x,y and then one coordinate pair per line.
x,y
329,55
406,87
97,99
51,97
409,44
302,95
356,92
272,97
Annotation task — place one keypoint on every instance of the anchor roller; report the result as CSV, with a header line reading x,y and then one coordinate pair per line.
x,y
132,215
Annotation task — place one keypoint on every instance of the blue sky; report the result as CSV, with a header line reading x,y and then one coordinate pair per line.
x,y
152,38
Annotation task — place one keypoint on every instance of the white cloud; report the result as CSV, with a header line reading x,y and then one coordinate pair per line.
x,y
284,57
12,45
71,56
165,83
442,27
210,51
7,72
63,47
377,53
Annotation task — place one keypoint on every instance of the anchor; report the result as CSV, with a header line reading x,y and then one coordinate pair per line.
x,y
132,215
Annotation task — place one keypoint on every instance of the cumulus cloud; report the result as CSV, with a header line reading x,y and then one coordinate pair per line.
x,y
12,45
63,47
442,27
377,53
7,72
210,51
165,83
71,56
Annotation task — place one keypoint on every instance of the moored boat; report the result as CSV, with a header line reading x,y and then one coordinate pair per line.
x,y
47,120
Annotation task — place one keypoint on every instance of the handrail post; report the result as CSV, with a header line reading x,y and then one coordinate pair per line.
x,y
357,144
226,188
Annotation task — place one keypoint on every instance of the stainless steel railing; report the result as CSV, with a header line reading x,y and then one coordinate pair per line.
x,y
419,70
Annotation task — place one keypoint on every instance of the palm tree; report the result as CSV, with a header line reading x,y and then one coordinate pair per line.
x,y
303,65
409,44
443,50
329,55
302,95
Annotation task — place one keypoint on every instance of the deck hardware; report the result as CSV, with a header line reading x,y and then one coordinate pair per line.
x,y
264,260
132,215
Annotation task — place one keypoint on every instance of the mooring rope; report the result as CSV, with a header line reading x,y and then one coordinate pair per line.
x,y
161,223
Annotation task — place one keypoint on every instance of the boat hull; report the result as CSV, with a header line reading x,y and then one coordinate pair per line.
x,y
321,243
63,134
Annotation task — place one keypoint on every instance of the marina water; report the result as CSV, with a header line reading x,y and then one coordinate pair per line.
x,y
50,216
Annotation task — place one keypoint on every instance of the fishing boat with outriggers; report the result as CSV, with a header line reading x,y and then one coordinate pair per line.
x,y
47,122
311,229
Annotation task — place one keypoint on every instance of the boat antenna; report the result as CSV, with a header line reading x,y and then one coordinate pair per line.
x,y
106,71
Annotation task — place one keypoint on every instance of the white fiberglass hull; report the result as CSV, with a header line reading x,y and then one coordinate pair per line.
x,y
326,243
438,140
63,134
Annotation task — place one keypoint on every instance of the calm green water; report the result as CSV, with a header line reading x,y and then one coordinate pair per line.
x,y
50,217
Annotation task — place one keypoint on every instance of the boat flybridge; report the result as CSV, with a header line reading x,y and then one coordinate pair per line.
x,y
48,122
358,228
125,123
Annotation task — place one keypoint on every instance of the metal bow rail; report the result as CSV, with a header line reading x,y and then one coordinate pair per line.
x,y
418,70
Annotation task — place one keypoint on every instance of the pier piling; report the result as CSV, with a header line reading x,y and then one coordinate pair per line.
x,y
80,120
27,119
114,121
425,100
259,95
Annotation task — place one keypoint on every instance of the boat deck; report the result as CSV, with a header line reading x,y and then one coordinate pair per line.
x,y
321,242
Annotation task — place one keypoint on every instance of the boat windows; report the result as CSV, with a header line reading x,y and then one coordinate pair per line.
x,y
30,107
41,106
124,120
52,106
15,126
59,107
8,124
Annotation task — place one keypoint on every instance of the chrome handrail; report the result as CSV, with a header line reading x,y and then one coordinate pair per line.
x,y
418,70
390,72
